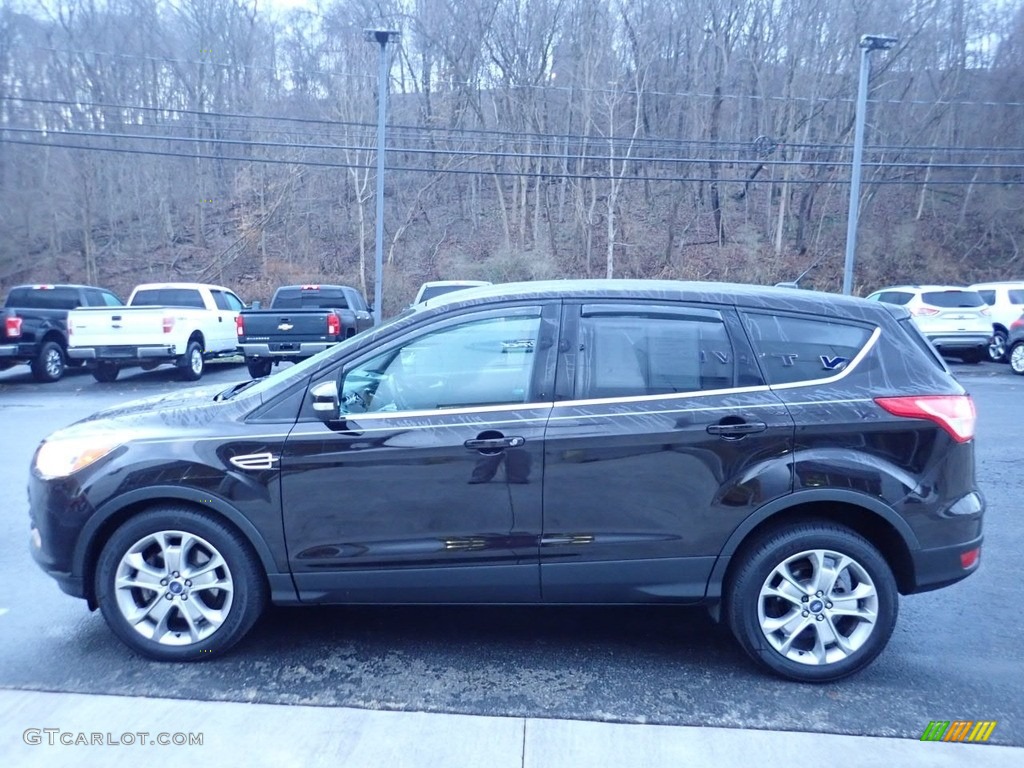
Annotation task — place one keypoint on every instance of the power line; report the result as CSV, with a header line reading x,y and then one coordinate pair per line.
x,y
410,132
558,157
553,176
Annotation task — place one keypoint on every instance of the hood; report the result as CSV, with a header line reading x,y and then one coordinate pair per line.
x,y
193,407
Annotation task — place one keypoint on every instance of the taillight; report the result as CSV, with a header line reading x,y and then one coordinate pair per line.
x,y
12,325
168,323
1018,323
239,325
925,311
986,312
333,325
954,413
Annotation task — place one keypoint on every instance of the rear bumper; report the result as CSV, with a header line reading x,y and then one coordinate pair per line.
x,y
947,342
11,353
942,566
298,350
122,353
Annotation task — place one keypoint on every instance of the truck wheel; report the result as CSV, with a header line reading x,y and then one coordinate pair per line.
x,y
105,372
192,363
49,363
259,368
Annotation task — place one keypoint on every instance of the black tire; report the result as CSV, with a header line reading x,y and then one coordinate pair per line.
x,y
756,568
258,368
48,365
997,349
105,372
219,617
192,362
1016,358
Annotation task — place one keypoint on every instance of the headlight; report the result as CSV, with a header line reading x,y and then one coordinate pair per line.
x,y
61,458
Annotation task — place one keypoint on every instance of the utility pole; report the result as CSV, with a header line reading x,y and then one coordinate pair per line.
x,y
382,37
868,43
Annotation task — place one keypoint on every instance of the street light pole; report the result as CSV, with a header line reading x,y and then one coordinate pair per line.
x,y
382,37
868,43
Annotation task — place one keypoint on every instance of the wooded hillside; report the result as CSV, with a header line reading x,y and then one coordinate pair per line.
x,y
234,142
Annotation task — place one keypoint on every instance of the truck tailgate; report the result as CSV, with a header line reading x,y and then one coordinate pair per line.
x,y
122,326
286,327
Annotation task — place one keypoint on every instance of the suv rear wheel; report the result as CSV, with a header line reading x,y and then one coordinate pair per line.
x,y
997,349
813,602
175,584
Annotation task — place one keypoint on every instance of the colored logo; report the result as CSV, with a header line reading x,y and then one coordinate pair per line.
x,y
958,730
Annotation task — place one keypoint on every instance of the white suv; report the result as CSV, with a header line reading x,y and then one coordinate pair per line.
x,y
1006,300
956,320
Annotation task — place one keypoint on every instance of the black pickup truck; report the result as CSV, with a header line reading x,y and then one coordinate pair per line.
x,y
301,321
35,329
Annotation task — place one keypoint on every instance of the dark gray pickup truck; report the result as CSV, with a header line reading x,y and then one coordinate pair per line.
x,y
34,327
301,321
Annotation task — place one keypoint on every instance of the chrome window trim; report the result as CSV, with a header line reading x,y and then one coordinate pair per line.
x,y
872,340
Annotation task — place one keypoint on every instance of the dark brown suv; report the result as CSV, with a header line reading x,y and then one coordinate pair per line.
x,y
792,460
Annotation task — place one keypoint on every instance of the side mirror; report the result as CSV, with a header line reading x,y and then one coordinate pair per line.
x,y
326,404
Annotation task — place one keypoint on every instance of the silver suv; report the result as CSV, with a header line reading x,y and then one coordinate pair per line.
x,y
956,320
1006,300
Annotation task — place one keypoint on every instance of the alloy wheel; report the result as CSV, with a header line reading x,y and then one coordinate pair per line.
x,y
818,607
1017,358
173,588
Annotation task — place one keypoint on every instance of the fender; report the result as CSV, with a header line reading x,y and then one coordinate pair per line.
x,y
282,588
855,498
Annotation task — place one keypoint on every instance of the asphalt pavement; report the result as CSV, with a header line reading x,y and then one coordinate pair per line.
x,y
454,686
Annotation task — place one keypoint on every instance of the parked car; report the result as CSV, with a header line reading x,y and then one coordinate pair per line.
x,y
956,320
793,460
184,324
35,325
435,288
302,320
1015,346
1006,300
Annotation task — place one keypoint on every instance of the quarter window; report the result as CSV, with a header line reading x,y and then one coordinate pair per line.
x,y
793,349
479,363
627,355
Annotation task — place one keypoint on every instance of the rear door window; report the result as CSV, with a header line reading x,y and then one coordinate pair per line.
x,y
1016,296
652,352
792,348
989,297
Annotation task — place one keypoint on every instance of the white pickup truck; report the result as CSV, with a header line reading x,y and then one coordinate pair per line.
x,y
180,323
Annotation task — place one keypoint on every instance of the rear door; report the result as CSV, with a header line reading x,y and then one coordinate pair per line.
x,y
663,439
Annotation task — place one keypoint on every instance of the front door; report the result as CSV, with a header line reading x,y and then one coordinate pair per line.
x,y
428,487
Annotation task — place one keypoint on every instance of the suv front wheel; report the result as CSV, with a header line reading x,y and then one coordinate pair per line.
x,y
813,602
176,584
